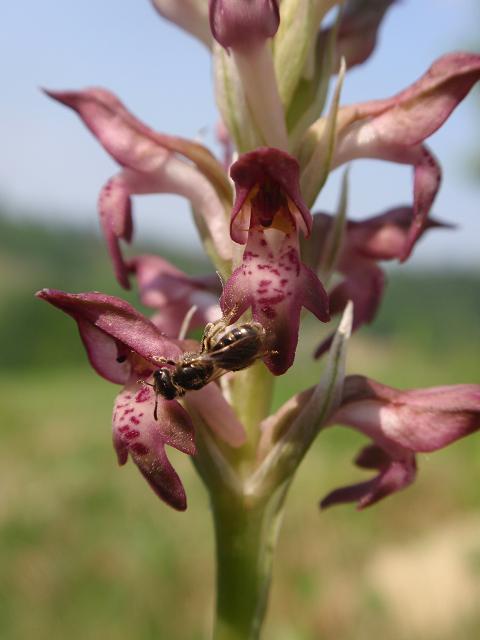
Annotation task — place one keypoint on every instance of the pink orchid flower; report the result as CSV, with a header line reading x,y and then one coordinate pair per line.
x,y
267,215
151,163
395,129
172,293
401,424
123,346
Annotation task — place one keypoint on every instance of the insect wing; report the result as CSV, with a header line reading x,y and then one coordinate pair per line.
x,y
238,354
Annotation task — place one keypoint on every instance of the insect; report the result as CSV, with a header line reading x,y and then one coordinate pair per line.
x,y
222,349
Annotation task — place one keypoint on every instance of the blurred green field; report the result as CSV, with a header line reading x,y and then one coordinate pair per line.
x,y
87,551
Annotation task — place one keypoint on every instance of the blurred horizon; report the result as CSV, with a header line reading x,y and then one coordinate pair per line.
x,y
55,169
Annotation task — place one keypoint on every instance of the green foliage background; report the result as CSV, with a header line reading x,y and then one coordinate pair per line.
x,y
87,551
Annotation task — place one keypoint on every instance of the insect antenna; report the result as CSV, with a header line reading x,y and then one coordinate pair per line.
x,y
186,322
149,384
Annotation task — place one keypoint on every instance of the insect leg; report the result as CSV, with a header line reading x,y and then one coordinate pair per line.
x,y
205,342
162,360
211,331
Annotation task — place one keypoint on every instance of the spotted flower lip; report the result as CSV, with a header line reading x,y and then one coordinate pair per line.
x,y
242,25
401,424
276,285
267,215
152,163
266,183
138,434
122,346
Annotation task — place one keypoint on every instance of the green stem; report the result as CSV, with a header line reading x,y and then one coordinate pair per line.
x,y
245,542
251,396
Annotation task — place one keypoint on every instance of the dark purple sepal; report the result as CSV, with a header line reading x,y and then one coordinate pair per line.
x,y
357,32
266,183
393,475
243,24
366,242
107,324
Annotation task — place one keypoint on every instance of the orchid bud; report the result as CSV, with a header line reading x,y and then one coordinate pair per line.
x,y
243,28
243,24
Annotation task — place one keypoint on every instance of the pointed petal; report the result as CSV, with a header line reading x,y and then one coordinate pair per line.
x,y
151,166
383,237
401,423
422,108
358,30
429,419
105,355
395,476
132,143
394,129
137,433
418,420
114,320
364,284
427,172
175,177
115,209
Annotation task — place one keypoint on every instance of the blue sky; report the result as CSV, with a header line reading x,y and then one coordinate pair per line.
x,y
52,167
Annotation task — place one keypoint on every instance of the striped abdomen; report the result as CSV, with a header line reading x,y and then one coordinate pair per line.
x,y
239,347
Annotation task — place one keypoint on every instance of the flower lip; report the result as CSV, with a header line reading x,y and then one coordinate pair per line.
x,y
137,434
274,282
267,187
242,25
